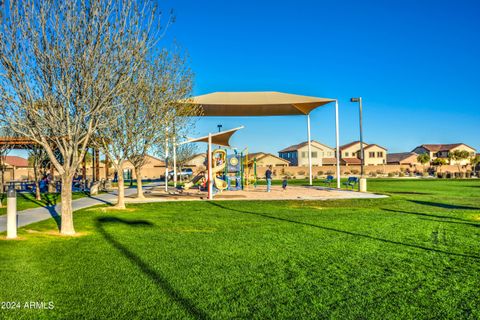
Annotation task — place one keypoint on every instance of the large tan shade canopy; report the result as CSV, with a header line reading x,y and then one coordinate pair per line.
x,y
257,104
220,139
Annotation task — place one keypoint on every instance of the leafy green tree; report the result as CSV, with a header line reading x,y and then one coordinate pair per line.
x,y
438,163
474,162
423,158
457,156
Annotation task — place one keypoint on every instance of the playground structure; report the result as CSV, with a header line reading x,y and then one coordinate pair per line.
x,y
231,172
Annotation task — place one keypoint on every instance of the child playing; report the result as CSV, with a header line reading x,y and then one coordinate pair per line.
x,y
284,183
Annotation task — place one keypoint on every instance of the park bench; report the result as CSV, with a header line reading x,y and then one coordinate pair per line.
x,y
351,182
328,181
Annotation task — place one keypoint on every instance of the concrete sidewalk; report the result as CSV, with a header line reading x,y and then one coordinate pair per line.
x,y
33,215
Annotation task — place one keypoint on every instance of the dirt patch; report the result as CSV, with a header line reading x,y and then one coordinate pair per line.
x,y
4,238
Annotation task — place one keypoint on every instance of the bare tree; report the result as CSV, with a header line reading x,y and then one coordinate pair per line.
x,y
184,153
62,65
157,114
38,158
114,141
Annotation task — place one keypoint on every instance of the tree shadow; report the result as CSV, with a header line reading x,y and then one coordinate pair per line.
x,y
410,193
424,214
356,234
454,222
47,204
158,279
443,205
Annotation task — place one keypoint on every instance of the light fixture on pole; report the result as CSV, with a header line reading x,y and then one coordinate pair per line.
x,y
219,126
363,181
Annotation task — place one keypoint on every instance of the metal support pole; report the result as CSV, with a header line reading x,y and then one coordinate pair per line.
x,y
309,150
166,164
174,146
209,181
362,155
337,140
11,213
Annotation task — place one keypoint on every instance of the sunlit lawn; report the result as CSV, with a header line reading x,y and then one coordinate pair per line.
x,y
414,255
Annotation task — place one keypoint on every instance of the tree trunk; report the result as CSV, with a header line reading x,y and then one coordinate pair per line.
x,y
138,173
38,195
121,189
67,212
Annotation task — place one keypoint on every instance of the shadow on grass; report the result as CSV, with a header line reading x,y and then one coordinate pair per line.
x,y
356,234
160,281
48,203
425,215
443,205
410,193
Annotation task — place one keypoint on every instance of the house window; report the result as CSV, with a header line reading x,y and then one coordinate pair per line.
x,y
304,154
314,154
371,154
380,154
346,154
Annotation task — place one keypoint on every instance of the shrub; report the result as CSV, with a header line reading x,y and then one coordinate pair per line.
x,y
391,174
355,171
346,173
401,174
301,173
330,172
320,173
379,171
425,174
373,174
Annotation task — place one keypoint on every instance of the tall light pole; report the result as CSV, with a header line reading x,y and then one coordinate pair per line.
x,y
363,181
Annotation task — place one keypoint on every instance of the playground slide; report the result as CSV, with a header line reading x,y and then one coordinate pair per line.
x,y
192,182
219,183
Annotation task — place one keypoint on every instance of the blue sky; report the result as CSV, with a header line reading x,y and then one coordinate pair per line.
x,y
415,63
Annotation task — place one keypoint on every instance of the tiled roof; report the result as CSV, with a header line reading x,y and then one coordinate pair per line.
x,y
260,155
329,160
374,145
348,145
442,147
16,161
295,147
351,160
398,157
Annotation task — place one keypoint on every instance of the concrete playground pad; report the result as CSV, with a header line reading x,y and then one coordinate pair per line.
x,y
258,193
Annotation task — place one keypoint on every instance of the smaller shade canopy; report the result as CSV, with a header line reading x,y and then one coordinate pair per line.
x,y
221,138
257,104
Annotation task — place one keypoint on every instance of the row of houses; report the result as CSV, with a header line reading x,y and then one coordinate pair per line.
x,y
18,168
323,155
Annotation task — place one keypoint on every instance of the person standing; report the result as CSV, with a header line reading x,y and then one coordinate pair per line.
x,y
268,176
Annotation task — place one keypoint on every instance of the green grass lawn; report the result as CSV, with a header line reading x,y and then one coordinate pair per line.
x,y
414,255
26,200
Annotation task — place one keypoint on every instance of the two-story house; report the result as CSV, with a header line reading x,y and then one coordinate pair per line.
x,y
374,154
442,151
297,154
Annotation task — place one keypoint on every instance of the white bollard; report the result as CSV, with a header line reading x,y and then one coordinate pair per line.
x,y
11,213
363,185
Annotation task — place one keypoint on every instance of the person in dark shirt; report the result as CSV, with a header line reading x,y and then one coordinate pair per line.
x,y
284,183
268,176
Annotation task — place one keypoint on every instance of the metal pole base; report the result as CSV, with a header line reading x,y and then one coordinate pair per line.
x,y
362,186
